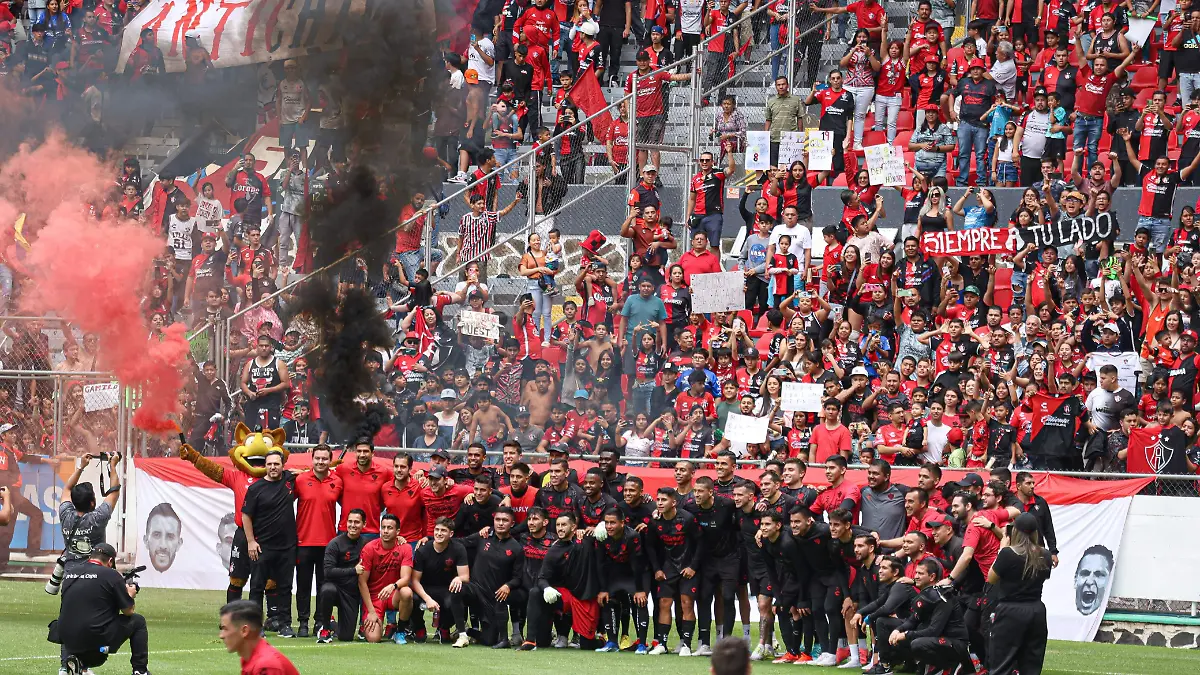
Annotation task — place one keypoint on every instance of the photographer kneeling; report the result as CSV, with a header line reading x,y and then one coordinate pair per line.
x,y
97,616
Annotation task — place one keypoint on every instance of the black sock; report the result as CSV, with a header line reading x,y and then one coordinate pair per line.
x,y
705,633
661,630
685,632
233,593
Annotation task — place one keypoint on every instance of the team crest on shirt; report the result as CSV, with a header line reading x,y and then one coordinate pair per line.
x,y
508,552
678,527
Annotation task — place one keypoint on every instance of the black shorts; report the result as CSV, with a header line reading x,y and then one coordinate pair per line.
x,y
678,585
621,584
239,557
652,129
760,583
1056,147
728,569
1166,64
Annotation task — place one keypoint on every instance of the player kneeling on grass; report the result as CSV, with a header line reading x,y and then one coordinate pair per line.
x,y
567,584
384,570
439,572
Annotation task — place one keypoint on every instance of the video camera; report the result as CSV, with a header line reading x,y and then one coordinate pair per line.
x,y
132,575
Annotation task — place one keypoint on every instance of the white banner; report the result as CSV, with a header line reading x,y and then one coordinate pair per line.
x,y
758,150
718,292
746,429
820,150
101,396
1128,366
185,533
1139,30
1089,541
479,324
252,31
885,165
805,397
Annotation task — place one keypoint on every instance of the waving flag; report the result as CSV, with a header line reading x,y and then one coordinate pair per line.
x,y
1157,450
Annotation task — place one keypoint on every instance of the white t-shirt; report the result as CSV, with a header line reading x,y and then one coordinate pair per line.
x,y
936,437
636,446
801,240
474,60
179,232
691,15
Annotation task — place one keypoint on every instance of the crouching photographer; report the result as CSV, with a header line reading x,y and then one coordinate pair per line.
x,y
97,617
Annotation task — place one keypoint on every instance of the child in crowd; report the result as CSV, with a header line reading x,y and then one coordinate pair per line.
x,y
782,270
554,256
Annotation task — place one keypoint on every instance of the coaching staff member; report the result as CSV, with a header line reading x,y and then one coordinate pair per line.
x,y
270,525
97,613
341,582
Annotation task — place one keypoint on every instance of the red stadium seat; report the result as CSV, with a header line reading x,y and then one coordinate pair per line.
x,y
904,121
1144,78
902,138
872,137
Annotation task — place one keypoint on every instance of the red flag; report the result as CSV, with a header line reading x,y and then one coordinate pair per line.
x,y
587,95
1157,450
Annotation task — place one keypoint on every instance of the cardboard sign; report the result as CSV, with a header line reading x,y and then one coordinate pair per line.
x,y
479,324
819,145
758,150
804,397
885,165
718,292
1139,30
978,241
791,148
746,429
1066,231
101,396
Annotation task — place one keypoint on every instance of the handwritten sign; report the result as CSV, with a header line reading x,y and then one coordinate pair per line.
x,y
479,324
101,396
746,428
978,241
718,292
805,397
1065,231
758,150
791,147
885,165
819,145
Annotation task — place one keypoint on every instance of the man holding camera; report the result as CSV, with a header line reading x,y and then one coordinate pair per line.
x,y
97,615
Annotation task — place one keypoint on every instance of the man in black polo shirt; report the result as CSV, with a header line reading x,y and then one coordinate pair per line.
x,y
496,571
270,524
977,96
97,614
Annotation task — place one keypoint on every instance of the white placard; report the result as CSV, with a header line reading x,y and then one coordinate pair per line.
x,y
819,145
885,165
1127,364
791,148
805,397
746,428
758,150
101,396
479,324
1139,30
718,292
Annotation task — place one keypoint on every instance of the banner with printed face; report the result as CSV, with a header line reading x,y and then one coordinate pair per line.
x,y
977,241
1066,231
185,531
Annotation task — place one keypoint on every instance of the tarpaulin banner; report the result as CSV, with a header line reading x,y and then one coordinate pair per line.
x,y
1064,230
186,529
977,241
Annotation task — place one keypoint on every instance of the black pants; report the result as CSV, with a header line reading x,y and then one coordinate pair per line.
x,y
129,628
827,614
611,41
789,629
310,562
1129,177
572,168
452,610
1018,638
757,295
347,600
942,653
889,654
715,71
976,612
685,45
272,577
492,615
811,48
717,574
620,603
1030,171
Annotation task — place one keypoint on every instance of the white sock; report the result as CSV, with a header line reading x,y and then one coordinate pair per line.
x,y
854,653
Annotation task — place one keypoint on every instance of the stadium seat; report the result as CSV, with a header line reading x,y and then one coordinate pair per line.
x,y
872,137
904,121
902,138
1144,78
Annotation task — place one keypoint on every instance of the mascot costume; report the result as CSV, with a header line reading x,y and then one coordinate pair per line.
x,y
249,458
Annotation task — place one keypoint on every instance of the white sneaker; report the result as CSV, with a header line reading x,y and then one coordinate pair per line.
x,y
827,660
702,650
757,654
460,177
685,651
462,641
560,642
851,663
658,650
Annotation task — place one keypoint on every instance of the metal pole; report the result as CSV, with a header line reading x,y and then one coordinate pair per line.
x,y
694,137
634,162
430,214
791,44
531,198
58,397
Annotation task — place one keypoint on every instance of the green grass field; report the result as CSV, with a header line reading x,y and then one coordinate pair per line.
x,y
183,641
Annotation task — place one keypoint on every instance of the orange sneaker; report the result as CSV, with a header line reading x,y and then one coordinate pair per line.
x,y
842,654
863,657
803,658
787,658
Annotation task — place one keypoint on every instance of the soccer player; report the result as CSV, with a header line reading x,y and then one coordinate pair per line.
x,y
828,579
721,565
317,495
466,475
442,498
675,554
727,480
748,521
624,579
773,499
785,568
637,508
794,470
439,571
568,583
521,496
499,562
477,509
535,543
596,501
269,520
560,496
384,572
934,634
889,609
614,482
341,582
403,498
242,632
841,493
360,487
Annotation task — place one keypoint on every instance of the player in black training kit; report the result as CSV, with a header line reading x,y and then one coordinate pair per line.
x,y
439,571
561,495
721,566
535,543
477,510
568,583
893,603
828,583
637,508
624,579
596,501
935,634
754,563
675,549
496,571
341,582
786,571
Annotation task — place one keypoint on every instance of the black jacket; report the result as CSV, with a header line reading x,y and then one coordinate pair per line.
x,y
894,599
1041,510
341,556
934,615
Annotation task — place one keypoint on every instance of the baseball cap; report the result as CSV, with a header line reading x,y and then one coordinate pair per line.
x,y
440,453
938,520
972,289
643,55
471,76
859,370
751,353
590,28
581,393
657,29
670,365
976,63
560,448
299,402
1110,326
449,394
1040,91
438,471
649,168
522,411
208,235
1190,333
955,436
6,427
971,479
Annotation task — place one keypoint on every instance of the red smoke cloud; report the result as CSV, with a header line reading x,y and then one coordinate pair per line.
x,y
91,272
